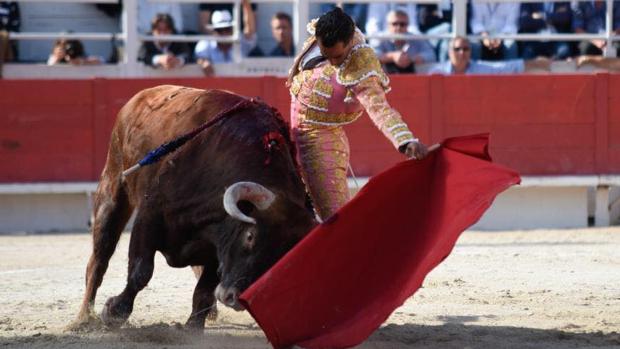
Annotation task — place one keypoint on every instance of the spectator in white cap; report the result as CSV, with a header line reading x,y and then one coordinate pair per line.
x,y
208,52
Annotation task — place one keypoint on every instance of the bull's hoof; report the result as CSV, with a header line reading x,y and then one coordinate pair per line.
x,y
195,325
115,312
85,323
212,314
197,322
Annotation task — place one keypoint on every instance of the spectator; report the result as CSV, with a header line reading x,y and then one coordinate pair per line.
x,y
282,31
163,54
544,18
9,22
208,52
358,12
461,63
71,52
488,19
147,10
436,19
589,17
401,56
206,11
111,9
432,15
377,14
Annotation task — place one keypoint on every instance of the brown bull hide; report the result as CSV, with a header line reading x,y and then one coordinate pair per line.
x,y
179,199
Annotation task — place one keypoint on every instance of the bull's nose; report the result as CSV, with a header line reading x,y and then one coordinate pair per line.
x,y
229,296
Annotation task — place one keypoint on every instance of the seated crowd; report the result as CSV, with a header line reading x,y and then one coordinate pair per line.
x,y
459,55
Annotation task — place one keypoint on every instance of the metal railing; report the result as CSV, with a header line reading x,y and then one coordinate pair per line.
x,y
132,39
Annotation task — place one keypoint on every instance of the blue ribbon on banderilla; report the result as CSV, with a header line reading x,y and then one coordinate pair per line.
x,y
168,147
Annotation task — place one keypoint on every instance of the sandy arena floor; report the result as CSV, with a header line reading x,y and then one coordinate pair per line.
x,y
516,289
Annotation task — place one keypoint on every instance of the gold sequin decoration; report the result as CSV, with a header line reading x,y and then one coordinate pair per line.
x,y
316,116
324,87
362,64
299,80
328,71
318,102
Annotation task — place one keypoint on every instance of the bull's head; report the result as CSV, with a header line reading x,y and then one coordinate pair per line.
x,y
265,228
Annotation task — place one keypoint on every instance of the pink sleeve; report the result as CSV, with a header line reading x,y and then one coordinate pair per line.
x,y
371,95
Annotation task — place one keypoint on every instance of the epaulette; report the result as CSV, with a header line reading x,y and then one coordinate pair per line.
x,y
361,64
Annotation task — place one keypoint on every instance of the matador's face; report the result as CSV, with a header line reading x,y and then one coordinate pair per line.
x,y
337,53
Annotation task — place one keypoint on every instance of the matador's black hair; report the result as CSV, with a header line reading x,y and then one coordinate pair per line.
x,y
335,26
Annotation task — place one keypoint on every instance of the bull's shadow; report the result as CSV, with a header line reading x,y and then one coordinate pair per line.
x,y
454,333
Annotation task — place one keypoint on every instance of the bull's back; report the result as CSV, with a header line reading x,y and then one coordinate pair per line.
x,y
152,117
159,114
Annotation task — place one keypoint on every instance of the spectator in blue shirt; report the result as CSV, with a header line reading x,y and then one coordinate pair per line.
x,y
205,12
208,52
589,17
493,18
461,63
282,31
546,18
401,56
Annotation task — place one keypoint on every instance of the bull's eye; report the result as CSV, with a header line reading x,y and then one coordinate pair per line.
x,y
249,238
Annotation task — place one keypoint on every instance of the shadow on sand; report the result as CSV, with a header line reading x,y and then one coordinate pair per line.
x,y
454,333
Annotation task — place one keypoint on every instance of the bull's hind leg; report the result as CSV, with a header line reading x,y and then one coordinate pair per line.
x,y
142,247
111,213
204,304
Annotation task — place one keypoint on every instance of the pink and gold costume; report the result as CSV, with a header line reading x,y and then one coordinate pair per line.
x,y
323,99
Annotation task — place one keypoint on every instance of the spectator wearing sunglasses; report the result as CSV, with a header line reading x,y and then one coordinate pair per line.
x,y
461,63
377,15
208,52
401,56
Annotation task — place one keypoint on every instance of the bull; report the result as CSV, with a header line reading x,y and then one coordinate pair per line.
x,y
229,202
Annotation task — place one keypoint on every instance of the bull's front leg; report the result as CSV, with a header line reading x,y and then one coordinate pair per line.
x,y
141,264
204,304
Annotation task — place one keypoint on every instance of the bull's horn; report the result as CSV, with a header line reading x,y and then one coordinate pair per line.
x,y
255,193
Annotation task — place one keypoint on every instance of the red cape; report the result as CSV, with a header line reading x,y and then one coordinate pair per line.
x,y
344,279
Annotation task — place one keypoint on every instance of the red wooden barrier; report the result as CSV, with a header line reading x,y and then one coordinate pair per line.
x,y
559,124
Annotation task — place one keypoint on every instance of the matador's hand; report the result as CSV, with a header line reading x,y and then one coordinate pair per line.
x,y
416,150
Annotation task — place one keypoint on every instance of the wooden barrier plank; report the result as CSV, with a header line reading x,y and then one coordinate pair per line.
x,y
412,99
613,130
44,92
43,142
519,99
546,161
601,99
561,124
532,136
381,160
